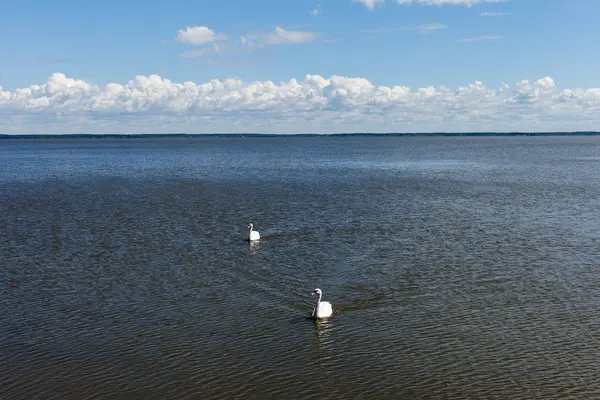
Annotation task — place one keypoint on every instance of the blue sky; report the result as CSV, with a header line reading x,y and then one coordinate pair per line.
x,y
80,47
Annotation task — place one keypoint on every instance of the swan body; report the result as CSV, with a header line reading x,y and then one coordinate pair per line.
x,y
322,309
252,235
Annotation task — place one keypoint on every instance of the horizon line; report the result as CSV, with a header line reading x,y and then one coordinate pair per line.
x,y
249,134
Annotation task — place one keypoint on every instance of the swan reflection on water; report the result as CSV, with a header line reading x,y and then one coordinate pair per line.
x,y
254,246
323,332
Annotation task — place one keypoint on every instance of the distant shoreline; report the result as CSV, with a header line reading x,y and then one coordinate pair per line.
x,y
273,135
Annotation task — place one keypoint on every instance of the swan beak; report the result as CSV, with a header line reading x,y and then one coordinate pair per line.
x,y
313,293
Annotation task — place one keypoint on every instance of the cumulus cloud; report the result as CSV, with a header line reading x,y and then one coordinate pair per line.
x,y
314,104
198,35
370,4
533,92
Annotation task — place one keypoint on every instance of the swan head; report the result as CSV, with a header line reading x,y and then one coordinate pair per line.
x,y
318,292
250,226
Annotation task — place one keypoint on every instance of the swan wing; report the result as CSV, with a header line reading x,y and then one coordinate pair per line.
x,y
325,309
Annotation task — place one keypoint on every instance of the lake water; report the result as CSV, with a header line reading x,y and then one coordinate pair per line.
x,y
458,268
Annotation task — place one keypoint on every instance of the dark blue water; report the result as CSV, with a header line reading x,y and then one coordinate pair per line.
x,y
457,268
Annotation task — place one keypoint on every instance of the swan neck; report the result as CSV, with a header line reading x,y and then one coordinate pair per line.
x,y
316,310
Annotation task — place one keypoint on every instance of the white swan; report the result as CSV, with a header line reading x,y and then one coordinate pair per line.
x,y
252,235
322,309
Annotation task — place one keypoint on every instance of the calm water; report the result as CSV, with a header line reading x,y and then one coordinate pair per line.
x,y
463,268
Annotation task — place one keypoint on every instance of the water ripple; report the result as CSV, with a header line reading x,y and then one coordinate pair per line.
x,y
456,268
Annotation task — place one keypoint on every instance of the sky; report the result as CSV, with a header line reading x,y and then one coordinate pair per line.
x,y
299,66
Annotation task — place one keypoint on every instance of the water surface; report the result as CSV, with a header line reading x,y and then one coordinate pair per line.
x,y
458,268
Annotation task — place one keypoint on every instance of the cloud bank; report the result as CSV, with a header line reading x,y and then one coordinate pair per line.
x,y
314,104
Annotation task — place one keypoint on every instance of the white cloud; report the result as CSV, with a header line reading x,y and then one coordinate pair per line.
x,y
198,35
315,11
531,93
370,4
214,49
246,43
426,28
478,39
314,104
495,14
279,36
467,3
